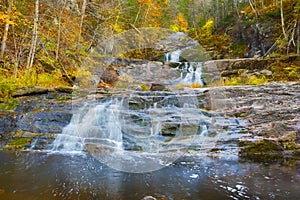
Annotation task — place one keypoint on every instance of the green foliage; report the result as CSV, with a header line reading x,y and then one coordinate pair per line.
x,y
246,80
228,20
285,70
272,14
65,40
18,143
145,87
207,29
50,79
238,49
9,84
250,21
180,24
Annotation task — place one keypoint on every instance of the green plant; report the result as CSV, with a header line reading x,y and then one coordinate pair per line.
x,y
246,80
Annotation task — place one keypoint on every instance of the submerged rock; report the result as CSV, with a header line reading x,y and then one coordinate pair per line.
x,y
149,198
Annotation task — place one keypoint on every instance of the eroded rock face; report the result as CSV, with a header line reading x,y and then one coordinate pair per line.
x,y
272,112
36,116
178,40
151,72
276,69
7,126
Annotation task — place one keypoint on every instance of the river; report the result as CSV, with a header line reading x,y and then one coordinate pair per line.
x,y
40,175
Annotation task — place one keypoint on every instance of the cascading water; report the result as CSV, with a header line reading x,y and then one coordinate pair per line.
x,y
151,122
147,130
141,122
173,56
92,124
191,72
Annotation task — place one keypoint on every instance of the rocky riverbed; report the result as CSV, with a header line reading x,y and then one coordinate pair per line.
x,y
271,112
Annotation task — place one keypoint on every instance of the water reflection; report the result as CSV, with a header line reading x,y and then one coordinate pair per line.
x,y
57,176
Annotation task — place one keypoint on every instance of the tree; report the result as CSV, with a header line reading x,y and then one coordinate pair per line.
x,y
282,20
34,38
6,27
83,8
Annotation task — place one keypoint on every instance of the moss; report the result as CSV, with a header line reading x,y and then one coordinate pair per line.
x,y
192,85
290,162
289,145
122,84
9,104
18,143
253,64
240,114
261,150
63,98
288,141
145,87
257,80
284,68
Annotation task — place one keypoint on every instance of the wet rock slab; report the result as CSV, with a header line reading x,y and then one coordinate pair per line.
x,y
36,114
270,113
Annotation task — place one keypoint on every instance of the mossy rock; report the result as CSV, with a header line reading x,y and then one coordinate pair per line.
x,y
27,91
18,143
261,150
170,129
288,142
286,68
259,71
64,89
252,64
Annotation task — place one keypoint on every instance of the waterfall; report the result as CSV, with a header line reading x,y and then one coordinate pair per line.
x,y
129,131
139,122
173,56
191,72
92,124
145,131
143,121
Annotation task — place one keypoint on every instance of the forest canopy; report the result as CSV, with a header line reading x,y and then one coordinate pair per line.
x,y
45,42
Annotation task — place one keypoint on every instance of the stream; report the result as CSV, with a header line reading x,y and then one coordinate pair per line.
x,y
39,175
169,144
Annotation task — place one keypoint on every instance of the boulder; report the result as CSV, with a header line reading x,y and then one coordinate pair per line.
x,y
26,91
175,41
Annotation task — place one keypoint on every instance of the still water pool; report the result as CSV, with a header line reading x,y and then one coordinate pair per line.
x,y
39,175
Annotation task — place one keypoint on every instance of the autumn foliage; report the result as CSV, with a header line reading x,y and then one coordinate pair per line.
x,y
49,40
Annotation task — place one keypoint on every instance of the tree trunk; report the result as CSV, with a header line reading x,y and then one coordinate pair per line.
x,y
282,20
263,7
252,7
59,33
6,27
237,8
34,37
83,8
298,37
